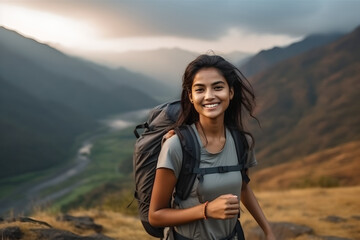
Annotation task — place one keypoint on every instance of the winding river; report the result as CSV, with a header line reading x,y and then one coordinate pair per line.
x,y
26,196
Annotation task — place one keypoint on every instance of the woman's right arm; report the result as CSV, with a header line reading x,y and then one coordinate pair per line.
x,y
160,214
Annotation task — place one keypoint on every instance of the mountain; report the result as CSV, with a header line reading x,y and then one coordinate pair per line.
x,y
268,58
48,99
49,74
35,134
237,58
309,103
165,65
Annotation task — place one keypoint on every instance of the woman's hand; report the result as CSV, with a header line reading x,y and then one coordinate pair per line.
x,y
168,135
223,207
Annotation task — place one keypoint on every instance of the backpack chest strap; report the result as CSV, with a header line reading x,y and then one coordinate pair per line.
x,y
220,169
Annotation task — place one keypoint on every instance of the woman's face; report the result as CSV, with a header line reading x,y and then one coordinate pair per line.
x,y
210,93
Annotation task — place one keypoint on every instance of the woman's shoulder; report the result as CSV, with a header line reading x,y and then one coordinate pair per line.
x,y
171,155
172,143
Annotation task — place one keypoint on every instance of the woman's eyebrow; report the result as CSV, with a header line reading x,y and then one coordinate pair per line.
x,y
212,84
218,82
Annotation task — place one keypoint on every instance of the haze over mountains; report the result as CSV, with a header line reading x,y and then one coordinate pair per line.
x,y
166,65
307,97
49,98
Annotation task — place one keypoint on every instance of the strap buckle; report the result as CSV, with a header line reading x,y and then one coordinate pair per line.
x,y
223,169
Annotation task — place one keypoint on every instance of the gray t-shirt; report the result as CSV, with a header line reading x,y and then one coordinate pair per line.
x,y
212,186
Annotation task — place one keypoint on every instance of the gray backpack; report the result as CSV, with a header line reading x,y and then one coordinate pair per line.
x,y
147,148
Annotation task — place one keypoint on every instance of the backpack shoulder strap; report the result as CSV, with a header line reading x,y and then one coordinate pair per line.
x,y
242,149
191,159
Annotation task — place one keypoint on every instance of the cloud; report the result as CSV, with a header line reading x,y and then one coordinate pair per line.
x,y
206,19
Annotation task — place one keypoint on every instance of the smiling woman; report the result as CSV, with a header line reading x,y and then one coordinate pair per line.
x,y
47,27
214,97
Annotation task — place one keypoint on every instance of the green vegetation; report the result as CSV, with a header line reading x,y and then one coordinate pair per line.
x,y
121,201
107,180
11,184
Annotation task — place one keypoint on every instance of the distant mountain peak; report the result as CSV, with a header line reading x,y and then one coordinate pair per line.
x,y
268,58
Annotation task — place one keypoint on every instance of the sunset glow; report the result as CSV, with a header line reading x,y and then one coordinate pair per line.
x,y
75,35
234,40
88,28
47,27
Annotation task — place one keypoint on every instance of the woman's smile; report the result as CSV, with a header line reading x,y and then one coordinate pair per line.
x,y
211,105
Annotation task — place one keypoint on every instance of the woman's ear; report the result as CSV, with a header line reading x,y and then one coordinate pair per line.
x,y
190,97
231,93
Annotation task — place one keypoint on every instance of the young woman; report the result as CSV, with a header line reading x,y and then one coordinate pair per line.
x,y
214,97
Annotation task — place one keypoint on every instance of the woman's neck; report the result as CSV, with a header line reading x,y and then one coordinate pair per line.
x,y
212,135
212,127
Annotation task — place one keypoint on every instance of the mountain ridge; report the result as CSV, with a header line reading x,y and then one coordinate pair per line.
x,y
55,75
310,96
268,58
54,99
67,65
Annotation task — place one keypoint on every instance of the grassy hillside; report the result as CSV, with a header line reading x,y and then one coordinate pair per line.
x,y
333,167
108,177
309,103
309,207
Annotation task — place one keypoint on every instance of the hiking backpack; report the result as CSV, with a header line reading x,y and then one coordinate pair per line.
x,y
147,148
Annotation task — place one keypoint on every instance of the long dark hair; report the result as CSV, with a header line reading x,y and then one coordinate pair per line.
x,y
242,102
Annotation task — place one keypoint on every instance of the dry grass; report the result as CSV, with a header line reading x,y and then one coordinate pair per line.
x,y
333,166
309,206
115,225
25,228
302,206
118,226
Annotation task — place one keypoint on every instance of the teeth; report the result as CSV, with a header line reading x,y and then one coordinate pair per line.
x,y
211,105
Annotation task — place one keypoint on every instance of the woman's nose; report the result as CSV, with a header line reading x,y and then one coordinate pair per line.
x,y
209,94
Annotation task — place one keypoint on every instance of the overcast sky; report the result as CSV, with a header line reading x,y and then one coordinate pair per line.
x,y
197,25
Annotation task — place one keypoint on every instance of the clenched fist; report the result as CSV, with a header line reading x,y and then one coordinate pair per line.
x,y
223,207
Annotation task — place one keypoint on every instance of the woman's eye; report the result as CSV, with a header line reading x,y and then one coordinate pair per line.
x,y
218,88
198,90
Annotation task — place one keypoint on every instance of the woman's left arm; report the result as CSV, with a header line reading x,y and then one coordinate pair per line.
x,y
250,202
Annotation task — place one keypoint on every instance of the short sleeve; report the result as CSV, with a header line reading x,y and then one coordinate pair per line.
x,y
170,156
251,161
